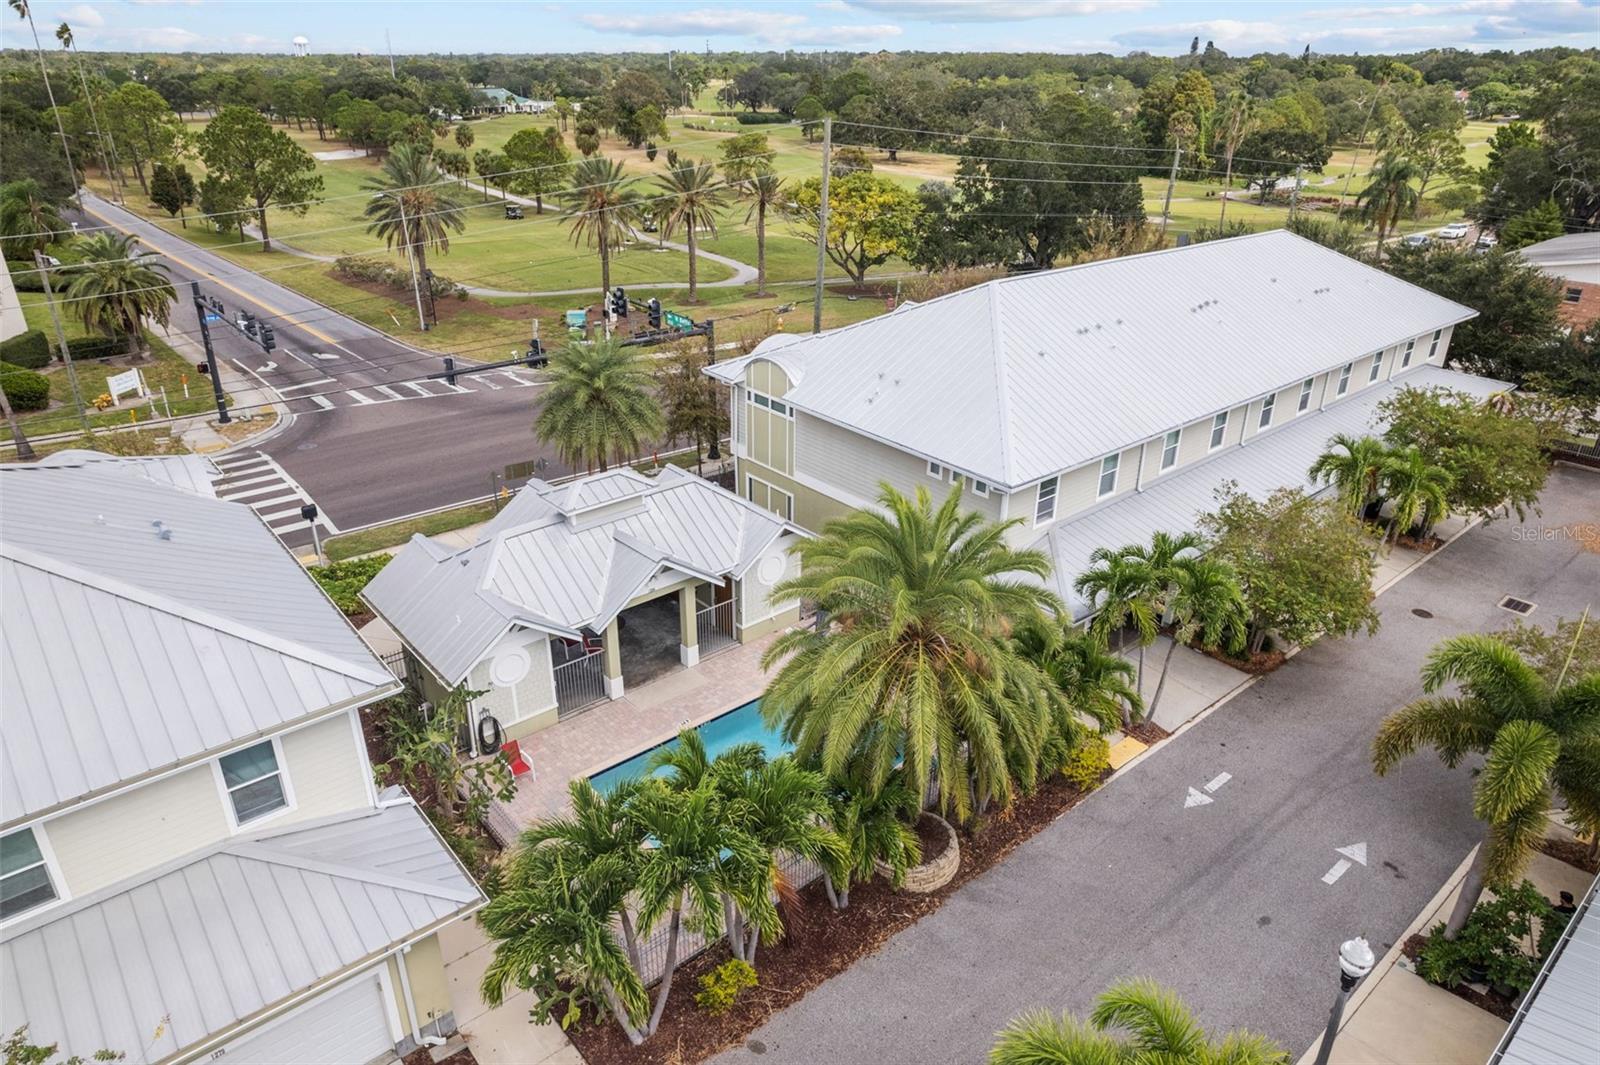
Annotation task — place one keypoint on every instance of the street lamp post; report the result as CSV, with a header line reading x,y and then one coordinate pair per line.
x,y
1355,962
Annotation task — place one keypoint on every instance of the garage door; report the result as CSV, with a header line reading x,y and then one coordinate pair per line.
x,y
346,1026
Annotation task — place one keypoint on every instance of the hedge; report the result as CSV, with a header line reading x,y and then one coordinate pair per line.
x,y
24,389
761,118
97,347
25,277
28,350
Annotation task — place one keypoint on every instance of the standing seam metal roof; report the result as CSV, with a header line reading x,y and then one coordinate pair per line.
x,y
1559,1023
1024,377
159,963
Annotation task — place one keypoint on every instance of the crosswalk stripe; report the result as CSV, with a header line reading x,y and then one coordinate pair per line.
x,y
322,401
359,397
249,493
250,479
386,390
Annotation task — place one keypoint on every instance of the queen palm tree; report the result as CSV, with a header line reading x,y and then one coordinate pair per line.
x,y
1353,465
1390,195
765,190
604,207
413,204
693,194
1417,488
1159,1027
23,10
116,288
1235,121
917,664
1206,606
69,44
599,405
1535,735
29,222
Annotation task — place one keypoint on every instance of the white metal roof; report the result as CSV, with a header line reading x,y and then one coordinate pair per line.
x,y
1575,256
1275,459
1024,377
566,558
158,963
124,651
194,473
1559,1023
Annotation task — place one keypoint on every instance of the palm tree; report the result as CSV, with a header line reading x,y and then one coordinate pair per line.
x,y
1417,488
874,826
69,43
116,288
23,10
25,452
1121,588
1390,195
694,195
918,664
1234,123
413,204
1159,1027
465,136
29,222
599,404
1207,606
765,190
604,207
1090,680
1535,734
1353,465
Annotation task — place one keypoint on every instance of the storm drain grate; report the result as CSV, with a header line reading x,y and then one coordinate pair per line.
x,y
1515,605
1421,613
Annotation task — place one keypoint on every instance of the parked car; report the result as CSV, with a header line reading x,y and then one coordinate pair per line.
x,y
1486,241
513,212
1417,240
648,225
1454,231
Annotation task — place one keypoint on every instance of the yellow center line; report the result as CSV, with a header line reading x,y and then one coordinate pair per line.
x,y
258,301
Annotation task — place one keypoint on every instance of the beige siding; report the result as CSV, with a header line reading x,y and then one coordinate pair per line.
x,y
327,771
430,991
831,455
754,589
139,829
812,509
532,696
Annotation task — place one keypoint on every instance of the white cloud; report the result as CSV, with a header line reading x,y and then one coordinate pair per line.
x,y
996,10
836,36
154,38
1243,38
696,23
83,15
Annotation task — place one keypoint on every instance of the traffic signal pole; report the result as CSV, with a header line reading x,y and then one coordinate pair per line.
x,y
61,338
822,223
211,356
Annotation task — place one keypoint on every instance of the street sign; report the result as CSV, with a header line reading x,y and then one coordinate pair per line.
x,y
679,321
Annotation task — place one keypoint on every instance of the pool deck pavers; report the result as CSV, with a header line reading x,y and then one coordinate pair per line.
x,y
610,732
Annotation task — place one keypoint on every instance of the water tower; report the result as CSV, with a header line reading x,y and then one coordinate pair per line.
x,y
302,46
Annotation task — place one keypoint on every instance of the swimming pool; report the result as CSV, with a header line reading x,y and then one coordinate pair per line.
x,y
741,725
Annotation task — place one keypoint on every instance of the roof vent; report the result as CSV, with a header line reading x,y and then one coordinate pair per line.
x,y
162,532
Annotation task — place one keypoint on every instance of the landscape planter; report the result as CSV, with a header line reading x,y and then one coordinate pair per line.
x,y
931,875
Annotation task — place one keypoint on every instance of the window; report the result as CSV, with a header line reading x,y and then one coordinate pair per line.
x,y
24,874
1266,411
1219,428
1405,360
769,497
936,471
1344,379
1108,475
1045,509
1169,450
1433,348
779,408
979,488
254,782
1305,396
1377,367
760,400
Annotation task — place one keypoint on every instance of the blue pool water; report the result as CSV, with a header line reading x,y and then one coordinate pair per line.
x,y
743,725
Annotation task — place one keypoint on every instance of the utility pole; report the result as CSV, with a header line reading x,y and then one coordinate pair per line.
x,y
1294,193
61,338
411,256
211,356
1172,179
27,12
822,223
1356,155
68,41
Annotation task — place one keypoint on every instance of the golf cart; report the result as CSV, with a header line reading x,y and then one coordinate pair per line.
x,y
513,212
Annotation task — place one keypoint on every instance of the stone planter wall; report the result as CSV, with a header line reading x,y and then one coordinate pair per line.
x,y
931,876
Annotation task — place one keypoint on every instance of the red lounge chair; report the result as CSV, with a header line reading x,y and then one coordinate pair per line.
x,y
513,752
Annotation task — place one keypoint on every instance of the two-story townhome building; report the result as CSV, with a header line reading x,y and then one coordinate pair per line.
x,y
195,862
1094,404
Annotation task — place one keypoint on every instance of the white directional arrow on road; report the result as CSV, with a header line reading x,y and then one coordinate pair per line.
x,y
1197,797
1356,852
267,368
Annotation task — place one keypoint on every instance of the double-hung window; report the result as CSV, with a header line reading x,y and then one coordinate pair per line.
x,y
254,782
1108,474
1344,379
1045,509
1266,411
1433,348
1405,360
936,471
25,880
1305,395
1219,429
1169,450
1377,367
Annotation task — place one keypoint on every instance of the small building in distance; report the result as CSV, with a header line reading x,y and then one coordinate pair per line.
x,y
1574,261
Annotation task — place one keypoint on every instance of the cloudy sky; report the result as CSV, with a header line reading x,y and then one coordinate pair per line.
x,y
1116,26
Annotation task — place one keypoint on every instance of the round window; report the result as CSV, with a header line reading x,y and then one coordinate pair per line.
x,y
770,571
509,667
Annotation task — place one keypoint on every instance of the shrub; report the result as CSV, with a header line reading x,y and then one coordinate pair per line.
x,y
1504,942
96,347
720,987
29,350
1086,767
25,277
366,268
343,581
760,118
24,389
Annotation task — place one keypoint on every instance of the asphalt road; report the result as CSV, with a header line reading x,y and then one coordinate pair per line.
x,y
368,441
1223,902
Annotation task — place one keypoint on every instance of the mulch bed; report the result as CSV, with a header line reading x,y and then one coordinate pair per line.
x,y
1499,1005
1427,544
932,837
1147,732
819,943
1258,663
1577,855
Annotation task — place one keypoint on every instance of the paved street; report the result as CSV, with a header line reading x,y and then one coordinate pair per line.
x,y
1224,901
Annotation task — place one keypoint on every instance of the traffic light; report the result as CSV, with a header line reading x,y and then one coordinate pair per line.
x,y
449,370
249,323
619,302
655,313
268,342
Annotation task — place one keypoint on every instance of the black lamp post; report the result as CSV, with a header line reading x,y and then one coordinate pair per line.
x,y
1355,962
